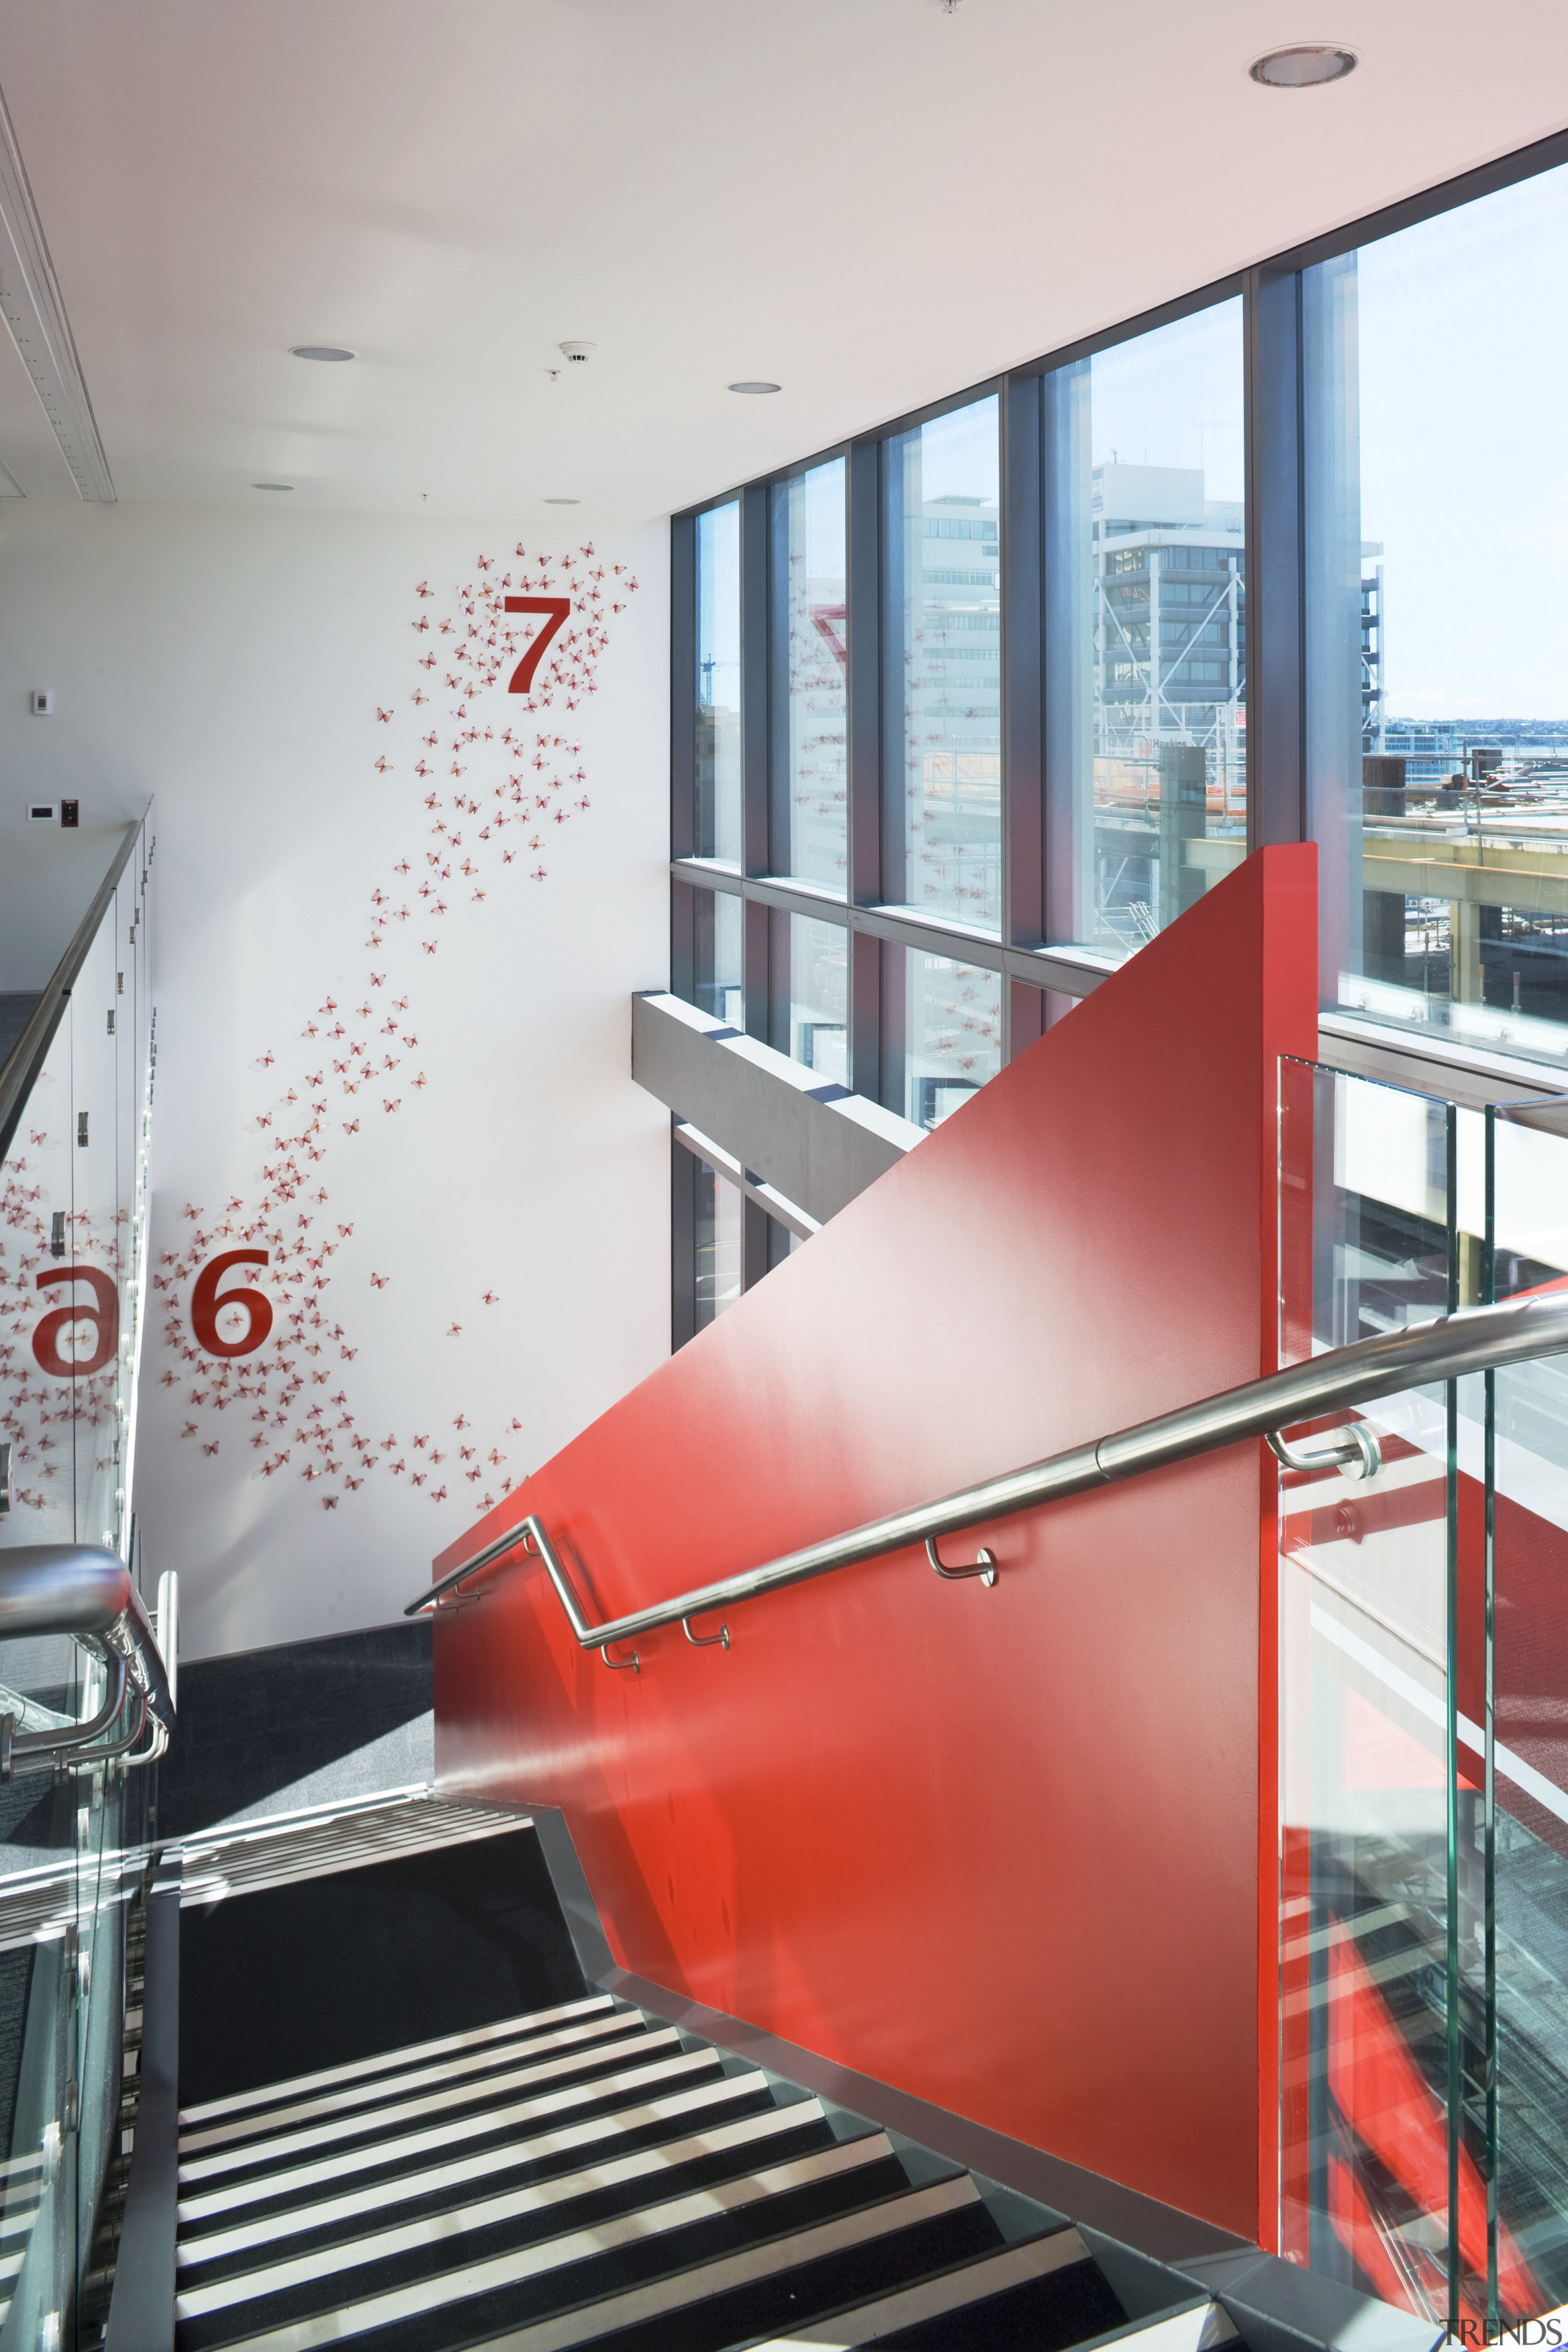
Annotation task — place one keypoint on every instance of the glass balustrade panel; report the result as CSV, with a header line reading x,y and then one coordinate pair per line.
x,y
36,1202
83,1361
1526,1981
1379,1903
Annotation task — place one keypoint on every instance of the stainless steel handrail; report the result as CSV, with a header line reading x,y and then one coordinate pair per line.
x,y
86,1592
28,1056
1477,1340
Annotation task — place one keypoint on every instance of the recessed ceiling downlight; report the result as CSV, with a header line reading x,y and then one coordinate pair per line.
x,y
1303,66
563,502
754,387
328,352
272,486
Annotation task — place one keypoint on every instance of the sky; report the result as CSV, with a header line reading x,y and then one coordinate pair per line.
x,y
1464,457
1174,398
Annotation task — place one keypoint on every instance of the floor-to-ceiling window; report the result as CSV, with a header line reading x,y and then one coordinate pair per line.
x,y
1436,490
985,700
717,831
1146,629
941,843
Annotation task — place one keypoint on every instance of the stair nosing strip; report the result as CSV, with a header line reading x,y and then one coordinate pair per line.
x,y
563,2331
445,2288
295,2219
250,2154
363,2160
931,2297
413,2053
453,2221
463,2069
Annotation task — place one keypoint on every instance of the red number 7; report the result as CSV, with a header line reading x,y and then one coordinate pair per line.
x,y
557,607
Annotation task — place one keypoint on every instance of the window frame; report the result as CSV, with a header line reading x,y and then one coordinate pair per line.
x,y
1038,981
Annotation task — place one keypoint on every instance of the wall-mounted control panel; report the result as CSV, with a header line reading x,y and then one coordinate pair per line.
x,y
43,702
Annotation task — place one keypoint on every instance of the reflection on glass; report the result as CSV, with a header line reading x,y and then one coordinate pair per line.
x,y
718,827
1439,759
942,850
718,1221
812,656
1145,630
73,1193
73,1197
718,955
818,996
1527,1993
1373,2096
942,1022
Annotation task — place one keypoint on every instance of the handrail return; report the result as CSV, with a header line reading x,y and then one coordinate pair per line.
x,y
1449,1348
87,1592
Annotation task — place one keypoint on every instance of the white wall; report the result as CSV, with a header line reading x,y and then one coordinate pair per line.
x,y
234,666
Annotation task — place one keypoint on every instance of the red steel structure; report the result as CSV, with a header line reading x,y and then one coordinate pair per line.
x,y
1013,1851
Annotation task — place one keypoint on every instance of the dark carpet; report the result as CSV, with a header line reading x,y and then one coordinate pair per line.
x,y
285,1982
256,1722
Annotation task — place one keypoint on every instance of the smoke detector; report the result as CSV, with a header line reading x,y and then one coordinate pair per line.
x,y
578,352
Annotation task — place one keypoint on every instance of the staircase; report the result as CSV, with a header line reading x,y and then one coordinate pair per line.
x,y
587,2174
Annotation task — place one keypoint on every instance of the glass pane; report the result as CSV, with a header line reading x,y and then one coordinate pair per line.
x,y
1438,761
35,1188
87,1345
1529,1972
719,1219
1369,1980
1145,630
74,1195
942,1032
811,669
818,996
943,815
718,827
719,969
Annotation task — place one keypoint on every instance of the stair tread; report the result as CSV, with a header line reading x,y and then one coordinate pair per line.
x,y
459,2070
664,2251
410,2054
1037,2294
470,2099
387,2158
537,2213
543,2156
737,2296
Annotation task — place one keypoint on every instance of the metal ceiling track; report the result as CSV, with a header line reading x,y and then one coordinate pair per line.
x,y
35,311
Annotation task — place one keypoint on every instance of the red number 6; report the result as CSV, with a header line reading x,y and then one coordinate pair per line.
x,y
104,1314
205,1302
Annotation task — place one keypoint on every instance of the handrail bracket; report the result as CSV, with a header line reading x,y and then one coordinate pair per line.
x,y
984,1566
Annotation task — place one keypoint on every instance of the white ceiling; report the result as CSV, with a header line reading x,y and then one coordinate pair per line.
x,y
871,201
